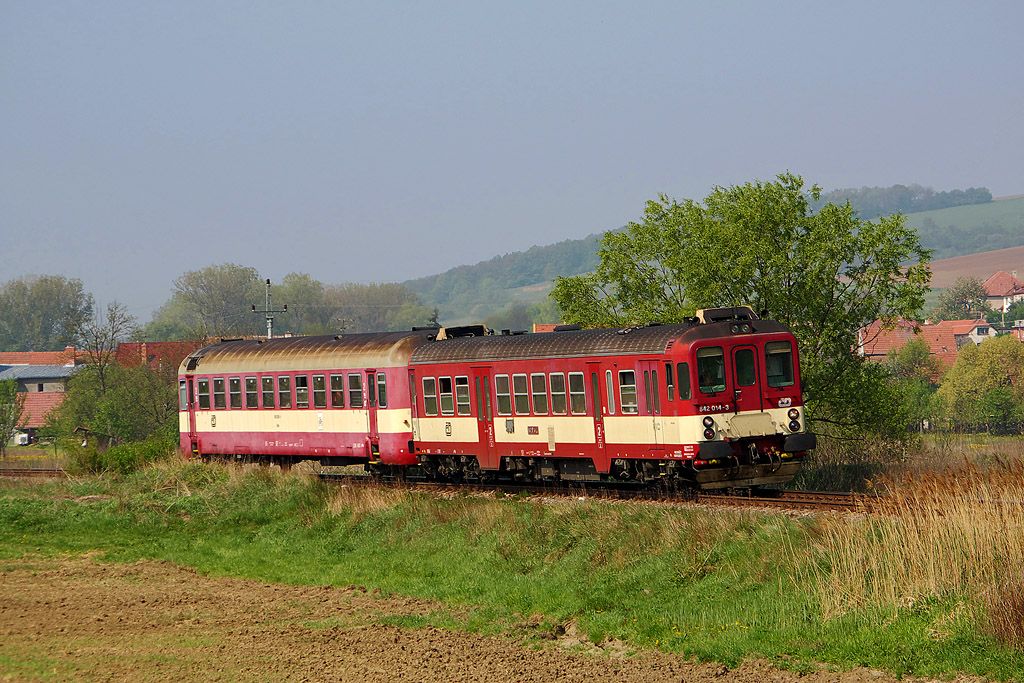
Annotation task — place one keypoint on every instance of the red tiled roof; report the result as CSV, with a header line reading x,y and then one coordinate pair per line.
x,y
1002,284
65,357
879,339
957,326
38,405
940,337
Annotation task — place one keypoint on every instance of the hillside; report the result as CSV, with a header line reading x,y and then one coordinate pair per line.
x,y
965,236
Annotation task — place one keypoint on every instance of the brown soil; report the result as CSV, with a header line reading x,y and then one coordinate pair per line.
x,y
78,618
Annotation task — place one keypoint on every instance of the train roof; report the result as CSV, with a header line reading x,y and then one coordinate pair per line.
x,y
373,350
650,339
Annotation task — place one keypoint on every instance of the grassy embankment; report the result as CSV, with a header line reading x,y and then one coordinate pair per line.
x,y
921,591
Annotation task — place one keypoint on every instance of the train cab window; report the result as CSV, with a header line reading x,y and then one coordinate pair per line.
x,y
203,391
539,389
447,395
218,393
609,385
235,392
284,392
504,394
746,371
521,391
683,373
627,392
577,394
670,385
558,404
778,363
251,392
711,369
182,395
355,391
337,391
382,390
462,395
301,391
268,392
430,396
319,391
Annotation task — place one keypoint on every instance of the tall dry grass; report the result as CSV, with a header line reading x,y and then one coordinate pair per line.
x,y
958,533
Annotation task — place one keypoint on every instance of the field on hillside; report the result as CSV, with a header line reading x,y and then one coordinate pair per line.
x,y
971,229
946,271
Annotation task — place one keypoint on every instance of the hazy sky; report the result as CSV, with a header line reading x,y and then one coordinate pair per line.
x,y
386,140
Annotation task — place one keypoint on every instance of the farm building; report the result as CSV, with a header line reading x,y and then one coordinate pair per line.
x,y
42,376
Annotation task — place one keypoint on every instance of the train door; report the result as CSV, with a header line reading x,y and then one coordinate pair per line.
x,y
652,402
601,456
371,414
189,402
746,373
486,452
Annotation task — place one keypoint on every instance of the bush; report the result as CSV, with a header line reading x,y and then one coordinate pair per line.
x,y
122,458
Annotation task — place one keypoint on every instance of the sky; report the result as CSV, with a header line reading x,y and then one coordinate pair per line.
x,y
381,141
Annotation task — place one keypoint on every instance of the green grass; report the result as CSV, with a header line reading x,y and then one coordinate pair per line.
x,y
717,585
970,229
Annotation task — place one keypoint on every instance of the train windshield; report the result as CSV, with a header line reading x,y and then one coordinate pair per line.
x,y
778,361
711,369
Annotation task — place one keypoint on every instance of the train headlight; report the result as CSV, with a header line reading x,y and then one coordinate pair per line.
x,y
709,434
794,426
709,421
794,414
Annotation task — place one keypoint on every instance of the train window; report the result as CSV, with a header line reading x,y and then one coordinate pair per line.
x,y
647,392
182,395
558,405
669,384
501,389
430,396
382,390
609,386
371,389
683,373
778,362
444,389
539,388
746,373
284,392
337,391
462,395
577,394
521,390
655,391
204,393
711,369
268,392
251,393
301,391
627,392
319,391
479,407
218,392
355,391
235,392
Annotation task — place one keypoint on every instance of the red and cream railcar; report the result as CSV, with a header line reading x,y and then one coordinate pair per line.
x,y
341,400
715,403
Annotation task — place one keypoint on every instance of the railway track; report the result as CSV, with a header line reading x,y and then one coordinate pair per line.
x,y
34,472
784,500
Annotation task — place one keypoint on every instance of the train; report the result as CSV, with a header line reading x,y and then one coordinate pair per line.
x,y
713,402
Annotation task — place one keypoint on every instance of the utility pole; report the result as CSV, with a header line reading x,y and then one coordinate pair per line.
x,y
269,312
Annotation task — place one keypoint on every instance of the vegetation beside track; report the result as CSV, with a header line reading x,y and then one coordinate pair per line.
x,y
719,585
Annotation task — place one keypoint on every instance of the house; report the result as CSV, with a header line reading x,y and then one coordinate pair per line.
x,y
157,355
944,338
43,386
1003,289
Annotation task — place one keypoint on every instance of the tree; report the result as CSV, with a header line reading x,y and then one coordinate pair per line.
x,y
914,375
100,336
377,307
42,313
964,300
985,387
12,403
826,275
211,302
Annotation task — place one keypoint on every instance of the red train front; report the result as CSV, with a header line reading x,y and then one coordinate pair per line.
x,y
714,402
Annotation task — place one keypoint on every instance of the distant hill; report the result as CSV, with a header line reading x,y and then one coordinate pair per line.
x,y
946,271
472,293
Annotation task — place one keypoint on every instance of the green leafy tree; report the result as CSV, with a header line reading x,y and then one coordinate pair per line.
x,y
964,300
985,387
211,302
915,374
42,313
12,403
825,274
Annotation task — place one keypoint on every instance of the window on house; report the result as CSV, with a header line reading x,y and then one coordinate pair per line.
x,y
577,394
504,394
40,388
218,393
430,396
355,391
268,392
558,404
447,395
284,392
203,391
235,392
539,389
301,391
521,390
319,391
627,392
251,392
337,391
462,403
